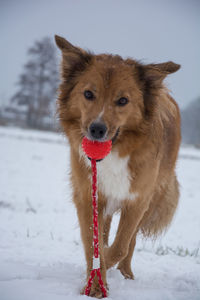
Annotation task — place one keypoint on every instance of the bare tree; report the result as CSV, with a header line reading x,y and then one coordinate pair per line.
x,y
38,83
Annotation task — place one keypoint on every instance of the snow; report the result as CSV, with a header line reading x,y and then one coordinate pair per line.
x,y
41,254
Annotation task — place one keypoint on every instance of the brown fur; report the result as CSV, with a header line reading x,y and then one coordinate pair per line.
x,y
149,135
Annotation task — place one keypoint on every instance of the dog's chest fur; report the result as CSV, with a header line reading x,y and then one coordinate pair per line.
x,y
114,180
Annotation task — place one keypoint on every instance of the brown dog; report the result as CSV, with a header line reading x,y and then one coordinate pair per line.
x,y
106,97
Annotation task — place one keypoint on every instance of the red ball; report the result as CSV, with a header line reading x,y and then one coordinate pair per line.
x,y
96,150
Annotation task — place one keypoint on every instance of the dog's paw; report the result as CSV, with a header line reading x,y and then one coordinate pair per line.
x,y
113,255
95,291
126,271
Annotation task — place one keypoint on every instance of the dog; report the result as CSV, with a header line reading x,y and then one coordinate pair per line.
x,y
104,97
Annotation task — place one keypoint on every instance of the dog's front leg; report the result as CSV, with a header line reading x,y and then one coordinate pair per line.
x,y
106,229
131,216
84,210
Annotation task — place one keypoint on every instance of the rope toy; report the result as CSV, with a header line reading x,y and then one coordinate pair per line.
x,y
95,151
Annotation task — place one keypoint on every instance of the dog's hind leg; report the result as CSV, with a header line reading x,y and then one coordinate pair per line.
x,y
125,264
106,229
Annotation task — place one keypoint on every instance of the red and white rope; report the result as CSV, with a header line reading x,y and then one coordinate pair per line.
x,y
96,256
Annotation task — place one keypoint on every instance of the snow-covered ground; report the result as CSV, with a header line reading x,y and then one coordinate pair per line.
x,y
41,255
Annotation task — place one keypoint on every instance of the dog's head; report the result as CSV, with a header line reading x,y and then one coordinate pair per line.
x,y
101,95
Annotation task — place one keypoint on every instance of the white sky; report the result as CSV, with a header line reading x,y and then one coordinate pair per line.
x,y
151,30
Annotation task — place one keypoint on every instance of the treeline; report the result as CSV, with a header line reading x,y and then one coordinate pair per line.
x,y
191,123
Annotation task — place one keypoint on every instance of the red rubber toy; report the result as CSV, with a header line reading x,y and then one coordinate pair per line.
x,y
96,150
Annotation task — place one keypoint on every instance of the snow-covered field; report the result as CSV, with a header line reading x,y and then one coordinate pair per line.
x,y
41,255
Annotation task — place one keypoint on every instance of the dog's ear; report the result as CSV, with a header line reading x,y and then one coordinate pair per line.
x,y
63,44
153,75
167,67
150,79
156,73
74,59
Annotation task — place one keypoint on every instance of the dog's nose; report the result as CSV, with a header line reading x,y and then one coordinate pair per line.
x,y
97,130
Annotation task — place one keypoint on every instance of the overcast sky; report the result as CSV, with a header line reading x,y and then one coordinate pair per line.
x,y
151,30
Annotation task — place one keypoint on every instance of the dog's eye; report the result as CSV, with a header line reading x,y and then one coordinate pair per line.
x,y
89,95
122,101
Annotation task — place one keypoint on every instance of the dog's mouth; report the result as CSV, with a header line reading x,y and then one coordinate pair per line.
x,y
107,136
115,136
